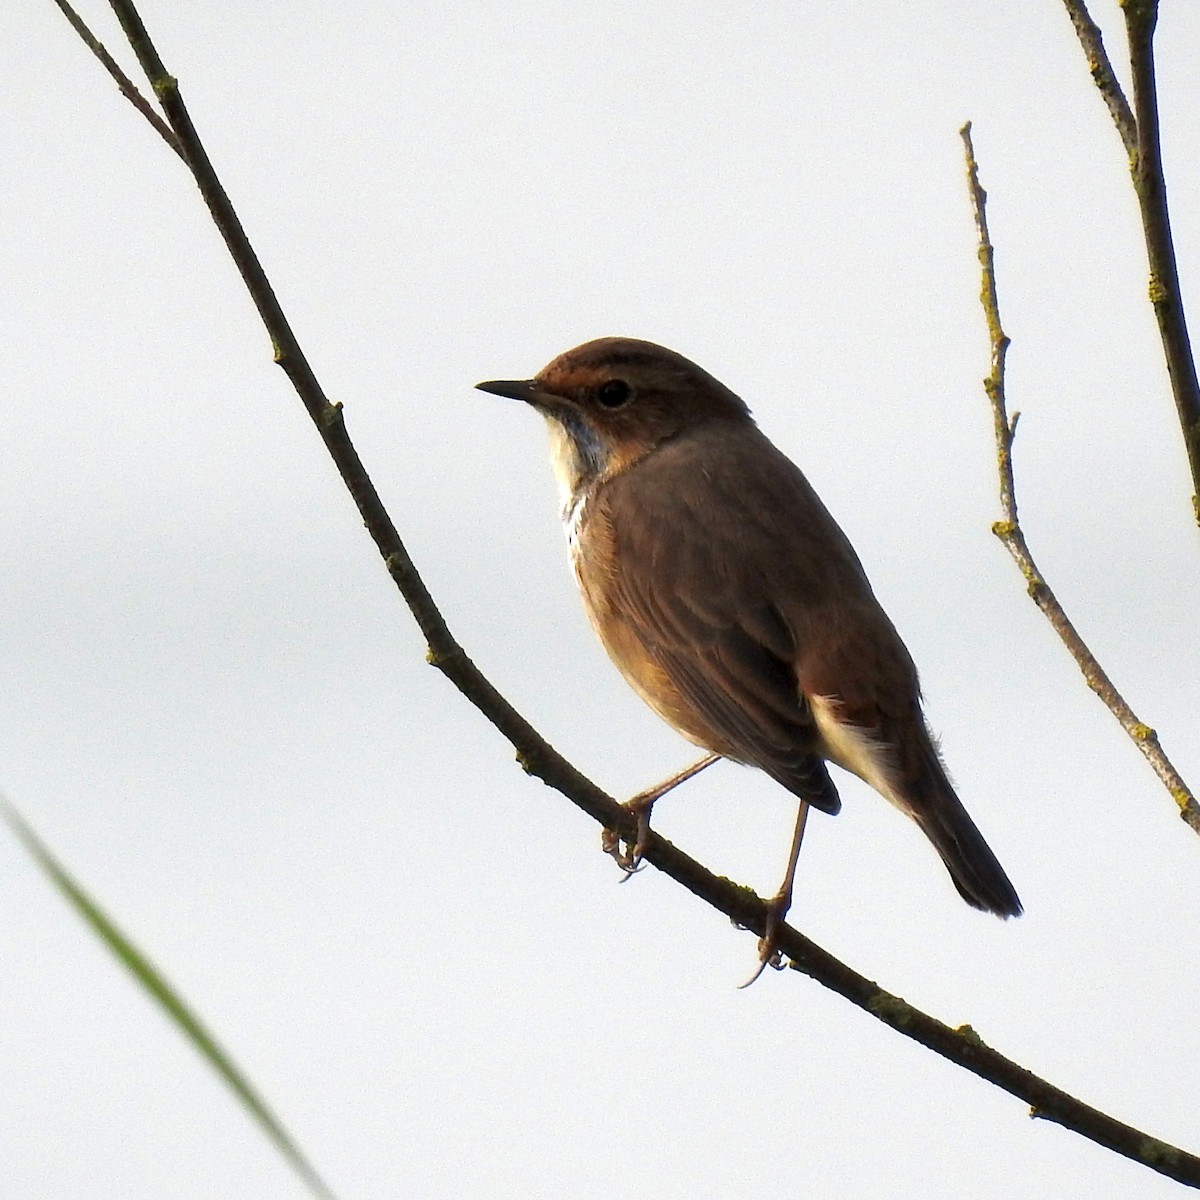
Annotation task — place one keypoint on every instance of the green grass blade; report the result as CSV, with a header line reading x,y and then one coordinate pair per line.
x,y
167,998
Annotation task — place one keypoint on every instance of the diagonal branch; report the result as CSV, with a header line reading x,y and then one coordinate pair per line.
x,y
1151,187
1009,529
1092,41
962,1046
126,85
1140,135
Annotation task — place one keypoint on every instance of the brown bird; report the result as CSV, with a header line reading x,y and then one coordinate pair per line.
x,y
733,603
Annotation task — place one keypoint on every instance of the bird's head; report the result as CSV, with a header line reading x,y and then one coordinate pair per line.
x,y
612,401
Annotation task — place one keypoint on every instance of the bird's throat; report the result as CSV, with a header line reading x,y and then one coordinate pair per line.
x,y
579,456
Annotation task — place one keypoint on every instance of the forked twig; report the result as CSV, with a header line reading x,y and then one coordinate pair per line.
x,y
1092,41
126,85
1140,137
1009,529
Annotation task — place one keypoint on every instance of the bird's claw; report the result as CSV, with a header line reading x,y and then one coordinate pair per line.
x,y
629,856
769,954
626,857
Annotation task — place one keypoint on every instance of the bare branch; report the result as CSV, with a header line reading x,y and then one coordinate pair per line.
x,y
1092,42
1140,136
1009,530
1151,186
962,1046
127,86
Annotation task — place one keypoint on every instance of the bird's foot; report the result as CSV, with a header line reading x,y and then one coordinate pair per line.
x,y
769,954
630,859
629,856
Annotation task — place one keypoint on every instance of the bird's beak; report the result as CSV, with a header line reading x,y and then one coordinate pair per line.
x,y
514,389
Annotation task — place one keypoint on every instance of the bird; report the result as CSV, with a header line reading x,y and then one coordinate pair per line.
x,y
732,602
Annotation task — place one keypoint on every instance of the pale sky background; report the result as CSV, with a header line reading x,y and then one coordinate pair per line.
x,y
217,711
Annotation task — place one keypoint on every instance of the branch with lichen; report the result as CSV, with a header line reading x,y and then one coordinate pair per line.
x,y
961,1046
1009,531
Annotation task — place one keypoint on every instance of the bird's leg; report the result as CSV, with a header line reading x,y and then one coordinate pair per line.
x,y
640,805
778,905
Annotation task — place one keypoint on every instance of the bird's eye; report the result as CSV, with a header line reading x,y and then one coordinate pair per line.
x,y
612,393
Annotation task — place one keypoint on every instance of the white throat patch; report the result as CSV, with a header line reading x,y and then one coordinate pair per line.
x,y
579,459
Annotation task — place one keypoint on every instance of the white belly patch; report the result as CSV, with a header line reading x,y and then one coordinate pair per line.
x,y
854,750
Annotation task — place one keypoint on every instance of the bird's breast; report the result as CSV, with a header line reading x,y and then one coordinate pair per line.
x,y
574,514
592,548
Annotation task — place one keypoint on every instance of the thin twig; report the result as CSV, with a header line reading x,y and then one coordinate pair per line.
x,y
1009,530
1092,41
962,1046
1151,187
126,85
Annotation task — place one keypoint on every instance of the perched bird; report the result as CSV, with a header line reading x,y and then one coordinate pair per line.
x,y
733,603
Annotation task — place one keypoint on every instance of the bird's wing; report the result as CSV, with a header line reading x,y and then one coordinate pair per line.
x,y
721,599
741,589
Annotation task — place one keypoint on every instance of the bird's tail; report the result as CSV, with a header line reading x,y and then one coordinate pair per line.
x,y
973,867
